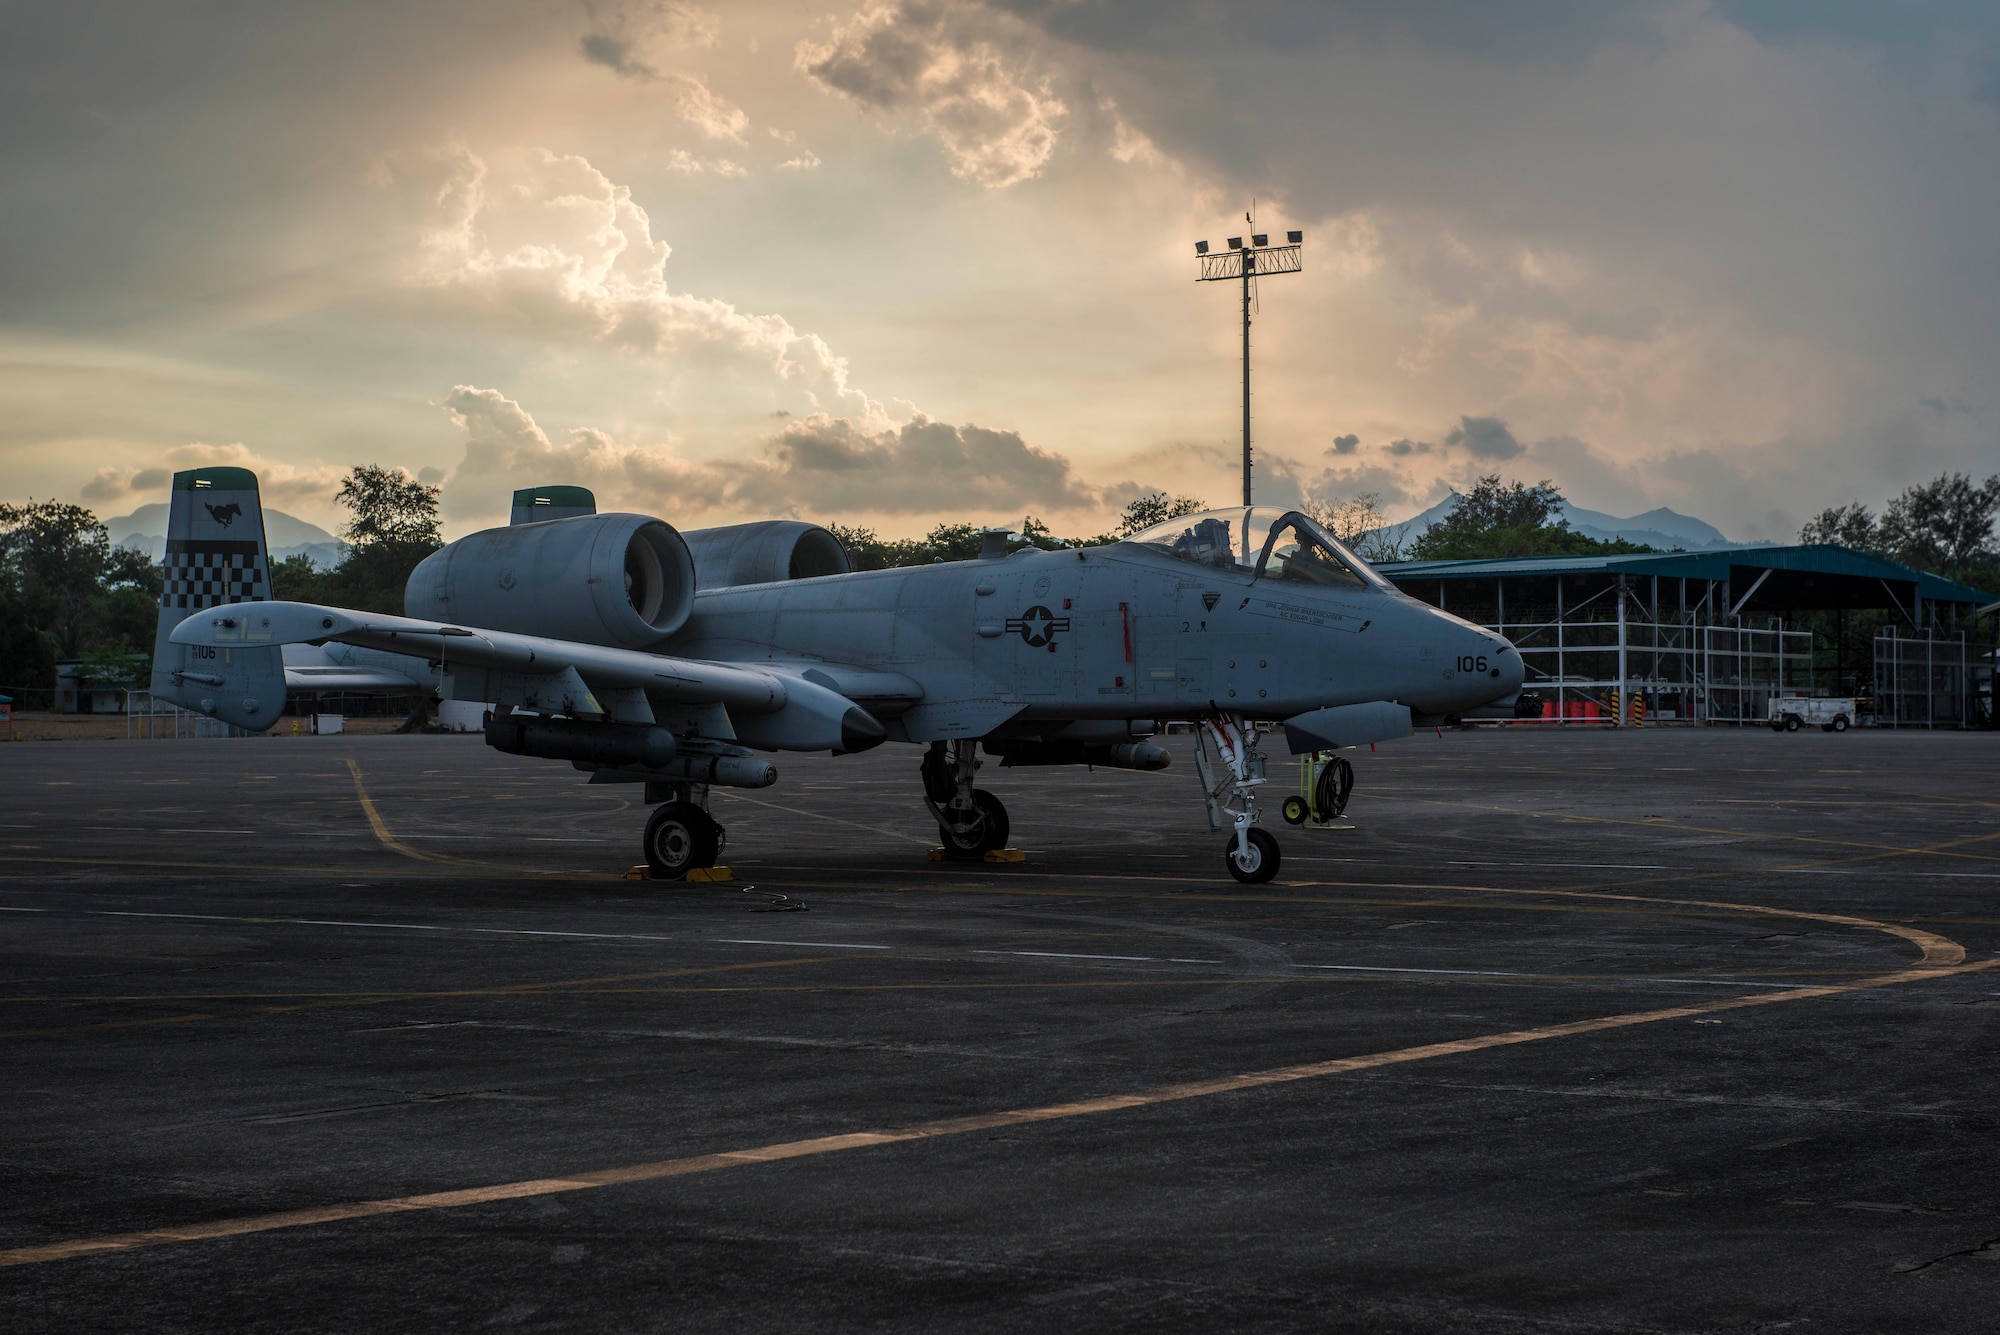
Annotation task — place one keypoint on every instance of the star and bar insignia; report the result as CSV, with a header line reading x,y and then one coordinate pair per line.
x,y
1038,626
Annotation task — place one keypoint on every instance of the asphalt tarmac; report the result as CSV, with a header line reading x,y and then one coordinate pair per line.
x,y
1655,1031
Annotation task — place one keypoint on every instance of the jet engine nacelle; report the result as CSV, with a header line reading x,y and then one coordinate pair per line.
x,y
764,553
612,579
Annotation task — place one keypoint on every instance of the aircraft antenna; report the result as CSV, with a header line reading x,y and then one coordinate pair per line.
x,y
1245,264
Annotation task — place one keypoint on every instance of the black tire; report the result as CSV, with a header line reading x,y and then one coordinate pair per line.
x,y
1263,857
1294,810
1792,723
680,836
1839,723
986,831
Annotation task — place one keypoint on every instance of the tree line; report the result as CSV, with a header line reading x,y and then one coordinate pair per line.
x,y
1944,526
67,593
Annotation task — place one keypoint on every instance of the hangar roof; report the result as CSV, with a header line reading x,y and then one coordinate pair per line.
x,y
1813,575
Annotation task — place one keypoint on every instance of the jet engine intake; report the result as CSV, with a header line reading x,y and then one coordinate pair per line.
x,y
613,579
640,744
763,553
1119,755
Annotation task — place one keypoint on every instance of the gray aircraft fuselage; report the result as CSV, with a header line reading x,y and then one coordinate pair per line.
x,y
1114,632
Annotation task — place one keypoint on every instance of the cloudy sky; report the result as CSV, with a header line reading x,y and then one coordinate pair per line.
x,y
933,259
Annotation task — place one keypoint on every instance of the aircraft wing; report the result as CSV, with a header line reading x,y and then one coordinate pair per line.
x,y
310,668
347,679
690,681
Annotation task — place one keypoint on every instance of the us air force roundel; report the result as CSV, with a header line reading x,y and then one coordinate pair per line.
x,y
1038,626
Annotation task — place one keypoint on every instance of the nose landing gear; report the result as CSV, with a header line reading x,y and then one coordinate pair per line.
x,y
971,821
1229,784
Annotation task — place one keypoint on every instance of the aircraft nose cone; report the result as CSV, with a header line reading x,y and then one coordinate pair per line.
x,y
860,730
1512,670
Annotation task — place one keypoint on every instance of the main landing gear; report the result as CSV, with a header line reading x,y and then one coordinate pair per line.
x,y
971,822
1229,783
680,834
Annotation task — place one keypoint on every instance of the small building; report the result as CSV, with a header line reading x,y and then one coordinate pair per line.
x,y
85,686
1709,636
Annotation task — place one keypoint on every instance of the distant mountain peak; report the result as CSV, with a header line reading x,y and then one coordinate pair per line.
x,y
145,529
1658,527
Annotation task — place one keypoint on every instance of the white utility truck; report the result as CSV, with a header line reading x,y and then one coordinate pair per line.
x,y
1789,713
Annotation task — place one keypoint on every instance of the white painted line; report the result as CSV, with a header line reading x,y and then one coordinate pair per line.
x,y
1061,955
1496,973
390,926
1607,866
1383,968
816,945
1178,960
7,909
1936,875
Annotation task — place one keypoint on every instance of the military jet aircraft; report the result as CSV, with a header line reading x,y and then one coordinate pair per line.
x,y
644,655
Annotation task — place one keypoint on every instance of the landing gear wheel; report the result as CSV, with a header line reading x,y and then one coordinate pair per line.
x,y
1792,723
985,831
680,836
1260,865
1840,723
1294,811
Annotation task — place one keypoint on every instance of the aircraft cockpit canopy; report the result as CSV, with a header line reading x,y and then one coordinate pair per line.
x,y
1261,540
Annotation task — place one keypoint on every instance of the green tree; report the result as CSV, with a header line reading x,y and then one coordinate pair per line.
x,y
1848,525
1155,508
1946,524
1506,519
124,611
297,580
54,554
390,508
394,526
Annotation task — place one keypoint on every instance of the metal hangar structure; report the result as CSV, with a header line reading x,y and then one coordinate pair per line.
x,y
1709,636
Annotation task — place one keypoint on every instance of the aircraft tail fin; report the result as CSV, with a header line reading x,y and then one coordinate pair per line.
x,y
533,504
216,554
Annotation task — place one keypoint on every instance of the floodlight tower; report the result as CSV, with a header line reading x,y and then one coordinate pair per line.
x,y
1246,263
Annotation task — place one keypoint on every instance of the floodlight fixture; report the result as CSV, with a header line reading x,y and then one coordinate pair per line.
x,y
1245,264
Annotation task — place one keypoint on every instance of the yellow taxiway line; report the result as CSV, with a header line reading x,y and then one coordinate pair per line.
x,y
800,1149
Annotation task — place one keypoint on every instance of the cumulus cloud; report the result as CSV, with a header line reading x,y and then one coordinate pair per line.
x,y
1347,444
1485,438
701,107
940,60
311,486
553,247
680,160
1406,446
119,484
818,465
637,41
634,39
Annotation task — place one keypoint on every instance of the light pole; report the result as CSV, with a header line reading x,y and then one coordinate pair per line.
x,y
1246,263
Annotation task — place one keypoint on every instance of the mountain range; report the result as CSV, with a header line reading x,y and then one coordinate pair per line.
x,y
1662,528
145,530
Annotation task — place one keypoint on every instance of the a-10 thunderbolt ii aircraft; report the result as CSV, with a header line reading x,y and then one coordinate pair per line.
x,y
644,655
